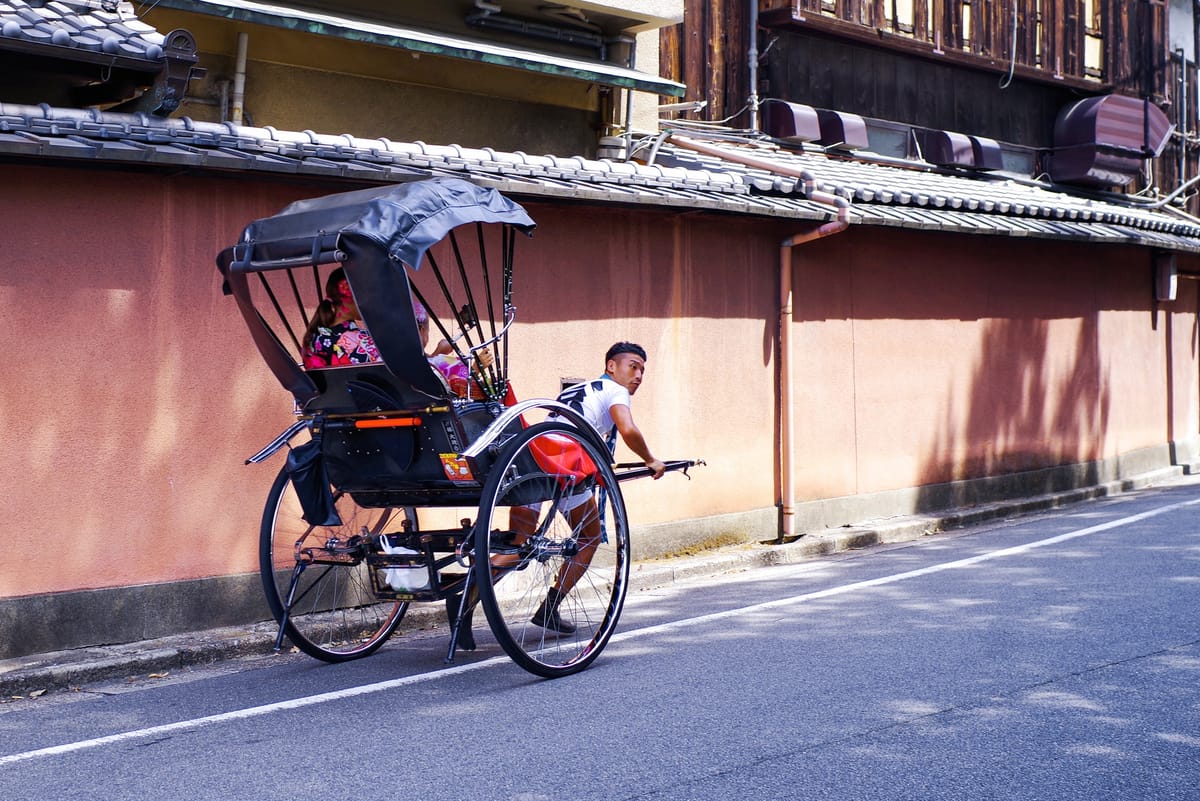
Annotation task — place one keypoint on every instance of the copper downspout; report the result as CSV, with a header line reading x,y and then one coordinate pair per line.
x,y
239,79
835,226
787,484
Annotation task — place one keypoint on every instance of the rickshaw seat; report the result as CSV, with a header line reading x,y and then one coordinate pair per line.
x,y
367,394
365,388
393,466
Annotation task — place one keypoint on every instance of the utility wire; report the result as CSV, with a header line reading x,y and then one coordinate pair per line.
x,y
1012,53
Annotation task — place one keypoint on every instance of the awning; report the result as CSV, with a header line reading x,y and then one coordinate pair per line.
x,y
416,40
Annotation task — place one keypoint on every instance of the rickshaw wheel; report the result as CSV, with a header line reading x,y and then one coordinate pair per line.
x,y
542,463
334,615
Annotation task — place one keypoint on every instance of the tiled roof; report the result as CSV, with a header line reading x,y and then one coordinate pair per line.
x,y
920,196
105,27
879,194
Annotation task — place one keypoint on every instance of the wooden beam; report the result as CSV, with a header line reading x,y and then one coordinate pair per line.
x,y
921,20
693,49
1027,36
830,26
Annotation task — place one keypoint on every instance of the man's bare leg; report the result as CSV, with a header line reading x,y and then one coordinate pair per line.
x,y
585,524
522,521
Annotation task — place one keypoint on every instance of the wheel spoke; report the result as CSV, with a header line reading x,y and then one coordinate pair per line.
x,y
334,613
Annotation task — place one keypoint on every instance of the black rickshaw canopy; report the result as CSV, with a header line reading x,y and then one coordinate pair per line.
x,y
373,233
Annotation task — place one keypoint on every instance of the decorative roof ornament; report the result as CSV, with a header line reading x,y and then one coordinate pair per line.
x,y
102,53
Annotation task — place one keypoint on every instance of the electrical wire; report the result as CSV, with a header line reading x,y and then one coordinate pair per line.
x,y
706,123
1012,53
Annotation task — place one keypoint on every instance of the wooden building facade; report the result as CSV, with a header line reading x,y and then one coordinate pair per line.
x,y
1003,69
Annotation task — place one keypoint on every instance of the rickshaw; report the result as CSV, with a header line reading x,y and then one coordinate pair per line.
x,y
409,488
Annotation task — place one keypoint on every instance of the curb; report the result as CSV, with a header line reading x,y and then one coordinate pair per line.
x,y
66,670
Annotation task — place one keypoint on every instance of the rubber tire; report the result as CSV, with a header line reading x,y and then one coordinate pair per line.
x,y
316,624
510,596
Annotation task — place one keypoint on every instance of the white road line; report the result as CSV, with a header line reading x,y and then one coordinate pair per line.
x,y
250,712
367,689
892,579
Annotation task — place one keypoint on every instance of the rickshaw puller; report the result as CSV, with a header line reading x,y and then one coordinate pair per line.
x,y
605,403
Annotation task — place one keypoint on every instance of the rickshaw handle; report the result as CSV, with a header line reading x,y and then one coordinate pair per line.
x,y
277,443
628,471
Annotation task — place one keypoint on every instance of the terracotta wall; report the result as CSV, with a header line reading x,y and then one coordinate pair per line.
x,y
133,402
700,294
934,357
132,408
134,395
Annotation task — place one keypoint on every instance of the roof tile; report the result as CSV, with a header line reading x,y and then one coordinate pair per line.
x,y
82,25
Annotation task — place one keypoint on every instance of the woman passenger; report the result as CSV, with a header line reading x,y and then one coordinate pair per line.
x,y
336,335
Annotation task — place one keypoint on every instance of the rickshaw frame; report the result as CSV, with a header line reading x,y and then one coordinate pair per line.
x,y
388,438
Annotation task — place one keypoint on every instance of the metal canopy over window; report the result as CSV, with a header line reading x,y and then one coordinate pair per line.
x,y
376,33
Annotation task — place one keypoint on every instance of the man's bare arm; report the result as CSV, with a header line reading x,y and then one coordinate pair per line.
x,y
631,435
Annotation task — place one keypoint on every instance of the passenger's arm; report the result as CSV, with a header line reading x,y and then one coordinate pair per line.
x,y
631,435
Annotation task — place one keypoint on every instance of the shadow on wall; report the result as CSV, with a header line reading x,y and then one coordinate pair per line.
x,y
151,398
1032,403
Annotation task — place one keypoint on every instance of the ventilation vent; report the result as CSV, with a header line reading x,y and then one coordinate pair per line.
x,y
947,149
988,155
950,149
1102,141
842,131
791,122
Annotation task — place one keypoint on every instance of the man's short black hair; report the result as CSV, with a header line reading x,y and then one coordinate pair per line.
x,y
624,347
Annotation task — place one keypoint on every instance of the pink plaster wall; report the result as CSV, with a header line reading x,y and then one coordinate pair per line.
x,y
700,294
133,408
134,395
932,357
131,402
1180,338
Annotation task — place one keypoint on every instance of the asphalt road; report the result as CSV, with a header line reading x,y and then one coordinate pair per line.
x,y
1052,657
